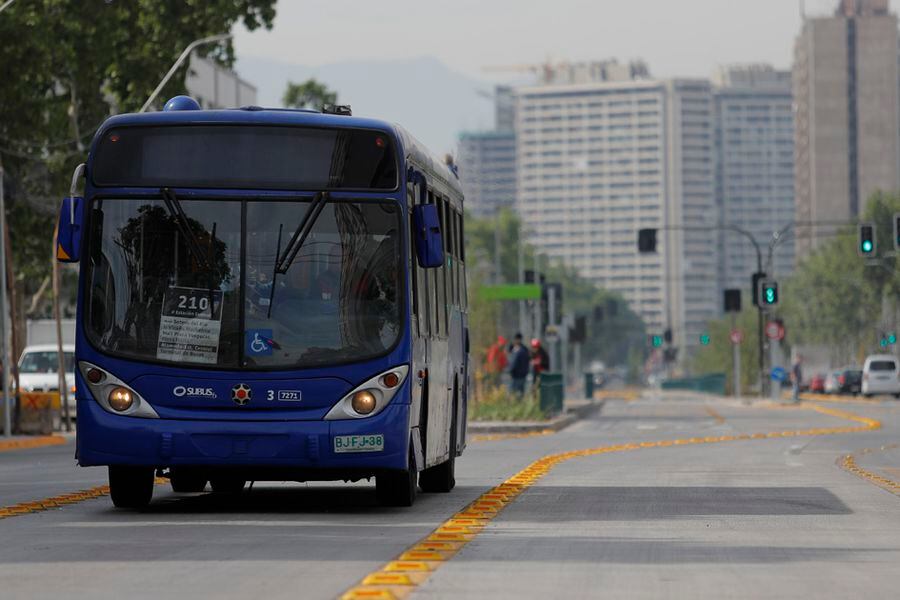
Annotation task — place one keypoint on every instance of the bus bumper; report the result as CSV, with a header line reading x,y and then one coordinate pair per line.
x,y
108,439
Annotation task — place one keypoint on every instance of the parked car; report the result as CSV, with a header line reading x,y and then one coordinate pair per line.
x,y
38,370
881,375
817,384
850,381
831,382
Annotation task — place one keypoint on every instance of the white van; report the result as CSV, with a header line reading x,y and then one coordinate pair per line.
x,y
881,375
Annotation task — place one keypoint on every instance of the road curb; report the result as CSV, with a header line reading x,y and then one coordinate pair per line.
x,y
572,415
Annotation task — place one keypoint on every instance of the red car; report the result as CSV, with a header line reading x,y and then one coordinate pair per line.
x,y
817,384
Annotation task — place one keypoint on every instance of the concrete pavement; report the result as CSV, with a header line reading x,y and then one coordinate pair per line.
x,y
743,518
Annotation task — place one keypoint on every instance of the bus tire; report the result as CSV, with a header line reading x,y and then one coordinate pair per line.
x,y
442,478
227,485
186,481
397,488
131,487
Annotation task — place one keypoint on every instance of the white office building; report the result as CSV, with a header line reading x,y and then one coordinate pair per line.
x,y
214,86
755,169
601,158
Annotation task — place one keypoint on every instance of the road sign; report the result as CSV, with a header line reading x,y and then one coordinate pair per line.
x,y
779,374
551,334
737,336
775,330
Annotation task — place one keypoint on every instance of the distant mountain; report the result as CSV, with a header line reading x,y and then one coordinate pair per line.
x,y
430,100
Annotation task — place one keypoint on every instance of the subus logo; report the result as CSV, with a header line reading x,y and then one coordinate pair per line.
x,y
194,392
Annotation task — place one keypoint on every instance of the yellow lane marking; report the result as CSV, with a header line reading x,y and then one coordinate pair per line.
x,y
839,399
848,463
715,414
36,506
491,503
33,442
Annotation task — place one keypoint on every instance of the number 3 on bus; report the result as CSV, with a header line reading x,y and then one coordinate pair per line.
x,y
267,295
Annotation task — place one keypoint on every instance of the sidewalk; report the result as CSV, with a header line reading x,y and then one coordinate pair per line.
x,y
575,409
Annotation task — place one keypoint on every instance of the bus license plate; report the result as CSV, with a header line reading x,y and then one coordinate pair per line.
x,y
358,443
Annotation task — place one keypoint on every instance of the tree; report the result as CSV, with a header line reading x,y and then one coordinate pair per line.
x,y
68,65
309,94
610,340
717,357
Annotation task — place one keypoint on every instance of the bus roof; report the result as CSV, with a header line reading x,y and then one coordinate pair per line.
x,y
412,150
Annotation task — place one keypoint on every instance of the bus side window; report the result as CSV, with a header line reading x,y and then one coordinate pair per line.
x,y
454,245
463,286
434,280
413,267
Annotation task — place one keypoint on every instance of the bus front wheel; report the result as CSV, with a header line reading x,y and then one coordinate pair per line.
x,y
131,487
397,488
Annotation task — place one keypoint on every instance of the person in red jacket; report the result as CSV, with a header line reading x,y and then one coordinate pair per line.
x,y
496,361
540,360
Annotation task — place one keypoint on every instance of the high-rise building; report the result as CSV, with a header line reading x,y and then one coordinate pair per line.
x,y
487,170
600,159
754,168
847,140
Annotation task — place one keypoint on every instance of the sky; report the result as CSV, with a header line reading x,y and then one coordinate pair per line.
x,y
676,38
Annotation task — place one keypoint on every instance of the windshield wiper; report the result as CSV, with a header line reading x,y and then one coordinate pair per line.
x,y
193,244
284,261
184,226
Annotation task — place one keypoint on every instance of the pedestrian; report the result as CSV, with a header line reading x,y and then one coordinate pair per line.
x,y
796,378
496,361
519,365
540,360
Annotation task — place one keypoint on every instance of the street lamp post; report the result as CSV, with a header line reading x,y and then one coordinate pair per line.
x,y
187,51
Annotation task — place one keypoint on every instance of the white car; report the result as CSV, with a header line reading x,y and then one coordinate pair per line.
x,y
881,375
38,370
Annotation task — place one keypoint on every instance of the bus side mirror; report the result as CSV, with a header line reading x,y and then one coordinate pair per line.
x,y
429,245
68,236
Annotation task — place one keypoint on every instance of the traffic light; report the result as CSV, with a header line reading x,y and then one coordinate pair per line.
x,y
757,277
646,241
732,301
896,231
656,341
704,339
867,245
768,293
892,338
667,336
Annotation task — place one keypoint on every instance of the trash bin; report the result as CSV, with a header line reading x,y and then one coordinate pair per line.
x,y
551,395
589,386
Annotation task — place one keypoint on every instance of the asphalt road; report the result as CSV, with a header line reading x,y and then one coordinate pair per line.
x,y
673,501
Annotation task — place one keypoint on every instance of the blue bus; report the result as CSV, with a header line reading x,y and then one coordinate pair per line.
x,y
267,295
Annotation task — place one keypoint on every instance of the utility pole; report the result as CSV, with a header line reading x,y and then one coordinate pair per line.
x,y
7,366
521,268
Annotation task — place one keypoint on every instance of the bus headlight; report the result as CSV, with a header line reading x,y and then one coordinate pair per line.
x,y
370,397
120,399
113,394
363,402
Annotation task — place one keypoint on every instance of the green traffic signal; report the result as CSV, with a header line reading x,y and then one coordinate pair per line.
x,y
704,339
884,343
769,293
866,238
892,338
657,341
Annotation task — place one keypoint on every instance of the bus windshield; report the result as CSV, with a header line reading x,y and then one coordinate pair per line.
x,y
149,297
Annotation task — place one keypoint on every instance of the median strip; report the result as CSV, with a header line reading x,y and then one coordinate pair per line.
x,y
487,506
32,442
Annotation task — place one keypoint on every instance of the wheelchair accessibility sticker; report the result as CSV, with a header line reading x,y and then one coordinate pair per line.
x,y
259,342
